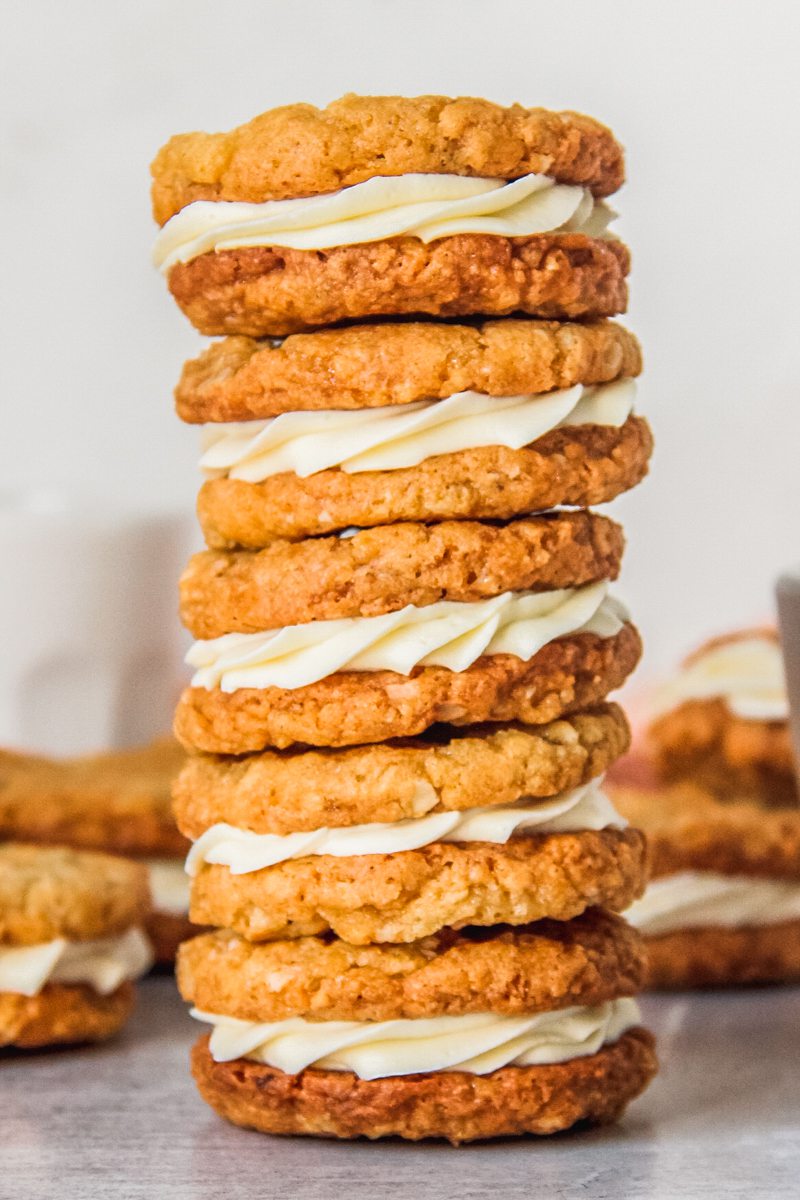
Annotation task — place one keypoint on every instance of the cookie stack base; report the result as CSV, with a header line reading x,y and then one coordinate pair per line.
x,y
454,1105
718,957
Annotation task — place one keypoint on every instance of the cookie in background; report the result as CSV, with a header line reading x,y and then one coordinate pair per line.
x,y
71,944
722,722
723,904
118,802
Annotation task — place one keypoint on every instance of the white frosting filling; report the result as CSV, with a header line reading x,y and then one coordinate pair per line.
x,y
585,807
103,964
746,674
477,1043
169,886
695,899
427,207
446,634
396,436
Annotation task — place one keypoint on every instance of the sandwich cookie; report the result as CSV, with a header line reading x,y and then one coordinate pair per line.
x,y
464,1035
71,944
723,907
515,223
376,881
118,802
520,656
723,722
471,453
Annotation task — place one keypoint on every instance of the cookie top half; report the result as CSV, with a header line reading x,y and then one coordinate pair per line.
x,y
299,150
117,801
55,892
689,830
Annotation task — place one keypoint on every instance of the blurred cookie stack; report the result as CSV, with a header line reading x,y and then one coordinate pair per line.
x,y
398,721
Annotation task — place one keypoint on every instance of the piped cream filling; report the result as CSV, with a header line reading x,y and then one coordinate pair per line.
x,y
697,899
747,674
103,963
478,1043
242,851
427,207
169,886
398,436
447,634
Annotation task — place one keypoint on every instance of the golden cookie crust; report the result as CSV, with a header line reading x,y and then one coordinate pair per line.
x,y
448,771
301,150
689,830
537,968
718,957
384,569
372,366
119,801
48,892
579,465
63,1013
265,291
445,1104
703,741
355,707
410,895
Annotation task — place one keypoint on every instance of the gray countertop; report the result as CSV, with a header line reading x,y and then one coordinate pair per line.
x,y
123,1121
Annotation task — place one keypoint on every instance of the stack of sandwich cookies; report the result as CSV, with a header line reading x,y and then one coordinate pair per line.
x,y
723,906
117,802
71,944
723,721
398,720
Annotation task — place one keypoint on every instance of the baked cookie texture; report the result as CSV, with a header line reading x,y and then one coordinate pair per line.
x,y
443,771
384,569
166,931
406,896
718,957
537,968
446,1104
702,740
300,150
372,366
118,801
578,465
52,892
689,830
355,707
62,1014
266,291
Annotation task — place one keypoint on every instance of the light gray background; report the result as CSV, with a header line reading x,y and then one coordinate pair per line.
x,y
704,96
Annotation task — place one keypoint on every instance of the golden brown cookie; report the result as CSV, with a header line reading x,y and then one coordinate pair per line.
x,y
62,1013
355,707
300,150
579,465
720,957
166,931
119,801
688,830
265,291
445,1104
537,968
370,366
382,570
446,770
405,896
48,892
703,741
